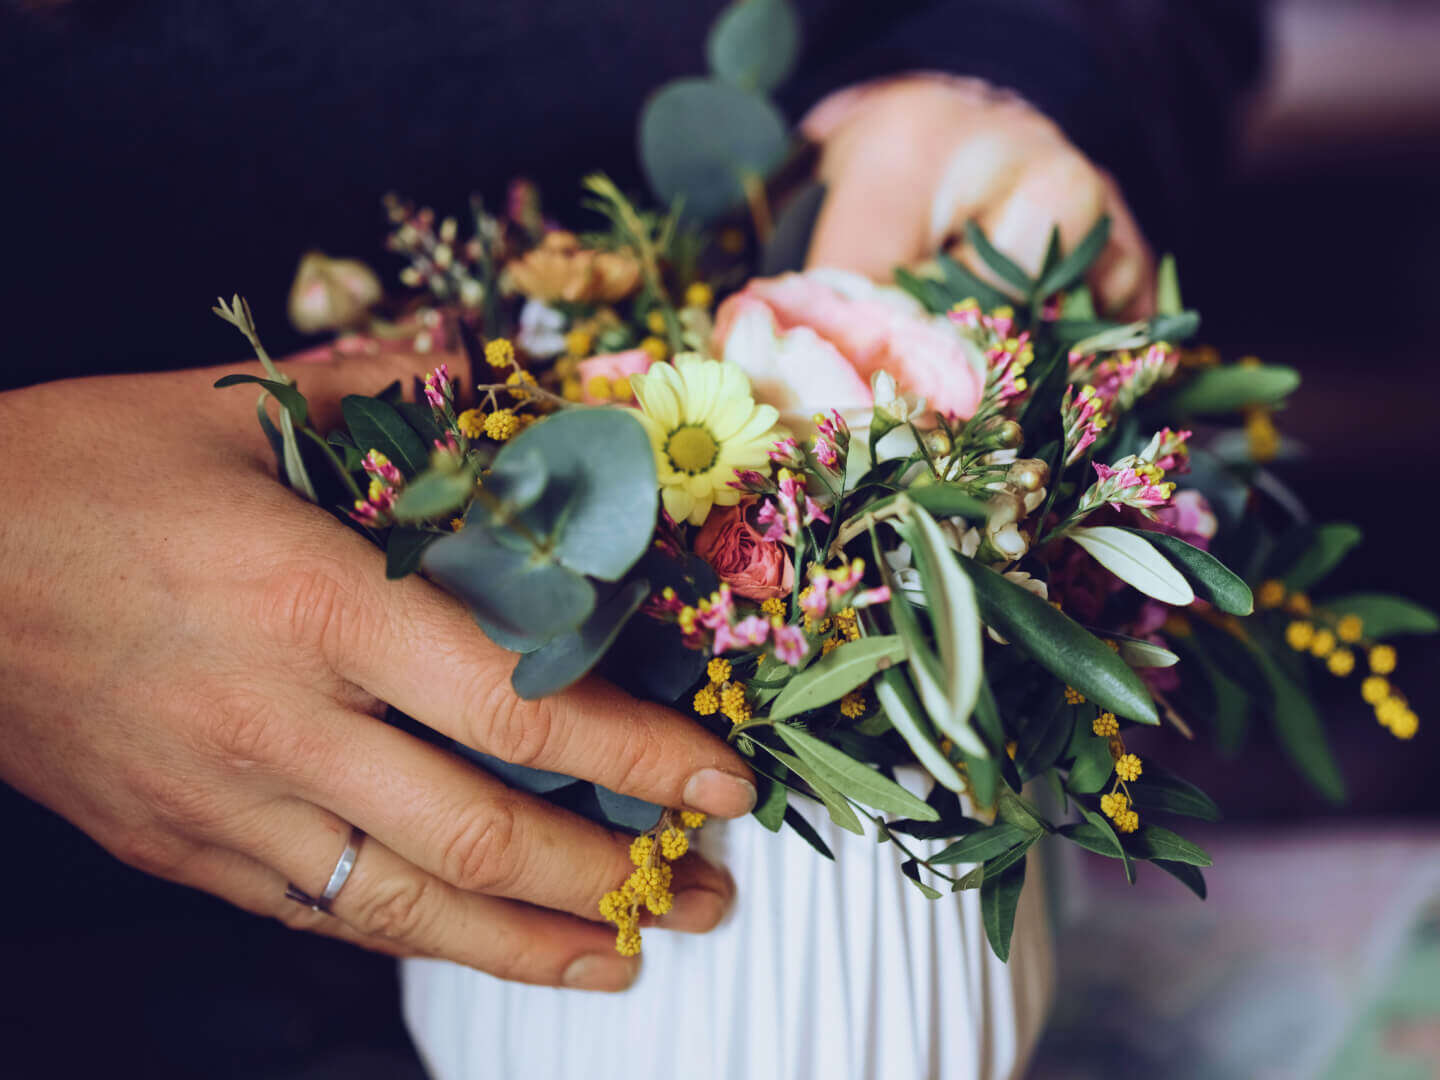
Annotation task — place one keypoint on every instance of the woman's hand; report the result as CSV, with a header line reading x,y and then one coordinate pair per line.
x,y
907,163
195,660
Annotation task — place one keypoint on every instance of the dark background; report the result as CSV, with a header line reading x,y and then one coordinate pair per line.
x,y
1319,250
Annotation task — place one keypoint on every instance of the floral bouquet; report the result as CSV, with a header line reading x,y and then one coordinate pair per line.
x,y
957,532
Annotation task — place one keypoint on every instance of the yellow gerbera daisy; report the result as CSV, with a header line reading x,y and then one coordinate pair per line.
x,y
704,425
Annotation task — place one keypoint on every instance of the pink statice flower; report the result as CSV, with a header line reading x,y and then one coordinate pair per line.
x,y
437,387
789,643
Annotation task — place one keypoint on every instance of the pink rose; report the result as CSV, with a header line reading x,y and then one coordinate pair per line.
x,y
613,369
752,566
813,342
1188,517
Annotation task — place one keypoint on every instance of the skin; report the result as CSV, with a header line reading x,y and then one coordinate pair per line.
x,y
909,143
194,666
196,660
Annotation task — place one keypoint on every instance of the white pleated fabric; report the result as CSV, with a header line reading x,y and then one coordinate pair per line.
x,y
840,971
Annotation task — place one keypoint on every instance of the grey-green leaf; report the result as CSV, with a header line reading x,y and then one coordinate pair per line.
x,y
509,587
434,493
832,677
754,44
555,665
853,779
1073,266
287,395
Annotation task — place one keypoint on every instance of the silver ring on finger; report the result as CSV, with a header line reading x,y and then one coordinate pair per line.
x,y
338,877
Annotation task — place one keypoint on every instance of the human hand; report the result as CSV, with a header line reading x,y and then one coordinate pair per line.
x,y
908,162
194,671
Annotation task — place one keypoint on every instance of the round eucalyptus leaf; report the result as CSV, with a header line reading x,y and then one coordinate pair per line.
x,y
754,44
558,663
699,138
601,495
509,588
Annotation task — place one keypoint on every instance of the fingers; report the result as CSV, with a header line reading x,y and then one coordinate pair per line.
x,y
1123,278
422,653
459,824
1060,191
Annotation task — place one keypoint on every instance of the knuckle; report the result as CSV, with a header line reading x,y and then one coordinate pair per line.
x,y
481,855
316,603
513,729
178,801
642,758
151,851
242,728
395,910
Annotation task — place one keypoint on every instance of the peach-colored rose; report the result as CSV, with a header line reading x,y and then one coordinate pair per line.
x,y
754,567
812,342
615,369
560,269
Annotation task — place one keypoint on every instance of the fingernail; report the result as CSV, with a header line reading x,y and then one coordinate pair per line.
x,y
696,911
720,793
601,971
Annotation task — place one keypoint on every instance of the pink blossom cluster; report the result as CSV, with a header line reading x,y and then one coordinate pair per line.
x,y
1084,416
437,387
1172,451
1129,486
717,625
787,510
832,591
1124,377
385,483
832,441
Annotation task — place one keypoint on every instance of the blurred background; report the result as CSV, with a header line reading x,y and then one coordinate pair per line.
x,y
1317,953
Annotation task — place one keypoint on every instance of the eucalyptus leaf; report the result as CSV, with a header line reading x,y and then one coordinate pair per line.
x,y
853,779
1211,578
626,811
435,493
897,698
999,897
375,425
560,662
1136,562
1384,616
832,677
699,139
1234,387
535,781
1060,645
511,588
1000,264
754,44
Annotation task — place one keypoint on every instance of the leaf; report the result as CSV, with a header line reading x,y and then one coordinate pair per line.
x,y
1153,842
981,844
964,285
754,44
853,779
1323,548
422,419
561,661
1234,387
1167,288
1136,562
1186,874
897,698
294,463
1044,737
801,825
948,500
1174,328
956,621
1000,863
374,425
1384,616
1060,645
1300,731
840,811
1162,791
1092,764
911,869
1000,264
435,493
291,398
626,811
832,677
700,137
1231,713
600,496
1144,654
1212,579
1099,836
770,809
790,239
1072,267
984,772
509,587
535,781
998,899
403,548
932,294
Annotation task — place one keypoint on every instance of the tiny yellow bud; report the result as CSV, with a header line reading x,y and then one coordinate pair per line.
x,y
471,423
1382,659
692,819
1298,604
1271,594
1375,689
1341,662
1105,724
1298,635
1350,628
707,701
502,424
1128,768
852,705
1073,696
657,349
699,295
641,849
499,353
578,343
718,670
1322,644
598,387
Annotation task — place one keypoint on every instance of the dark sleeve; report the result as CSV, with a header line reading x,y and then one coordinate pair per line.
x,y
1147,88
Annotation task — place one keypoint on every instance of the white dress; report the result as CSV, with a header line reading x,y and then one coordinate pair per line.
x,y
841,971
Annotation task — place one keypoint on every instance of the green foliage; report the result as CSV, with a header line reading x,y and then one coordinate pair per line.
x,y
1211,578
1167,288
1135,562
1060,645
999,896
1000,264
1159,790
1306,557
1068,270
835,803
564,659
375,425
701,138
897,698
801,825
403,549
1234,387
437,492
1298,726
517,590
291,398
832,677
1385,616
854,780
981,844
754,44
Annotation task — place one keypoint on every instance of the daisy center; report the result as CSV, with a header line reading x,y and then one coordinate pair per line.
x,y
691,449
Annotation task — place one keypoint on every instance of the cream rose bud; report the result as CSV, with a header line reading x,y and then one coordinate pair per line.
x,y
828,339
331,294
